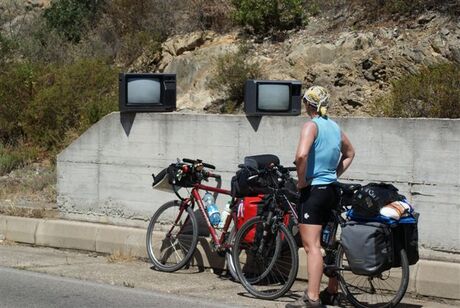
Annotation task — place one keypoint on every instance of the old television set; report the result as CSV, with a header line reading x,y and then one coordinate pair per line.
x,y
272,97
147,92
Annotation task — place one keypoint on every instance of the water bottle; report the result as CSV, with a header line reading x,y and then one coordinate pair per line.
x,y
327,236
211,208
224,215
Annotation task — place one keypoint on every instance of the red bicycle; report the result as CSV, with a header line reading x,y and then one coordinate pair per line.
x,y
173,231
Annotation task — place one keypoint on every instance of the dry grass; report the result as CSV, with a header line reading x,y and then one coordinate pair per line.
x,y
27,212
121,257
29,192
6,242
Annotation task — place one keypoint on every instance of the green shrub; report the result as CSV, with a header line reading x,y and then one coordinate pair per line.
x,y
134,44
72,98
18,86
231,72
265,16
72,17
6,48
434,92
153,16
38,43
214,15
14,157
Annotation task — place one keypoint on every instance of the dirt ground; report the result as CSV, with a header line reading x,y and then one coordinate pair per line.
x,y
29,191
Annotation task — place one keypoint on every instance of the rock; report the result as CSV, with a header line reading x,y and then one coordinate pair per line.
x,y
340,80
367,64
417,55
364,41
179,44
426,18
310,77
455,53
369,75
439,44
338,15
354,102
445,31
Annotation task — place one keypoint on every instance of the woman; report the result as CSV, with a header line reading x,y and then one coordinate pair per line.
x,y
324,152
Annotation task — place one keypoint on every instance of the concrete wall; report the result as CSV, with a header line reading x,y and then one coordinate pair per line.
x,y
105,175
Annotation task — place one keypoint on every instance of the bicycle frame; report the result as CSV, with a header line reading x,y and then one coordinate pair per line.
x,y
196,198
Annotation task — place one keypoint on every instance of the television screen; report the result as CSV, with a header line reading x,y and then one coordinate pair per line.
x,y
143,91
147,92
272,97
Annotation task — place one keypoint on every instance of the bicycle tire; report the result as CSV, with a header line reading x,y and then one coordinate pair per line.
x,y
381,287
232,270
185,242
228,256
266,279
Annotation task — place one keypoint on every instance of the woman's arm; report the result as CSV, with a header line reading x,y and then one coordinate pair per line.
x,y
307,136
348,153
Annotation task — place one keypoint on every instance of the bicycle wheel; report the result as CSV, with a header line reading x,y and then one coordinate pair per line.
x,y
384,290
172,237
228,256
266,265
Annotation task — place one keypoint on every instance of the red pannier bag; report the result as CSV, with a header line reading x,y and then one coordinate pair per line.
x,y
247,209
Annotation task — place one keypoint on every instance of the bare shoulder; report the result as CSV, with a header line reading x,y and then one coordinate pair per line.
x,y
309,125
309,129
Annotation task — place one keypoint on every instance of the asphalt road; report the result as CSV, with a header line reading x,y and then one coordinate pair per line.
x,y
20,288
47,277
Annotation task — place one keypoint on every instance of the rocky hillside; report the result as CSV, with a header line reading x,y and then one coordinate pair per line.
x,y
356,65
355,58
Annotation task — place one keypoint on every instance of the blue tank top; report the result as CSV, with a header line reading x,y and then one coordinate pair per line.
x,y
324,155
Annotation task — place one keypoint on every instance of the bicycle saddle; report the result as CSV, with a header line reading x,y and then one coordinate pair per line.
x,y
258,162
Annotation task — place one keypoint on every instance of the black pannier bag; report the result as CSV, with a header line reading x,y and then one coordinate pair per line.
x,y
368,247
369,199
240,184
405,236
175,177
243,186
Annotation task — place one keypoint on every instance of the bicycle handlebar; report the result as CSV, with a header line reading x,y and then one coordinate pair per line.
x,y
198,161
197,166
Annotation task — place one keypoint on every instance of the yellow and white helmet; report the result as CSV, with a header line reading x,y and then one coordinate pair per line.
x,y
317,95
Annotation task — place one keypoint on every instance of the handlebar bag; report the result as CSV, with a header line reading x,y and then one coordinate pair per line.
x,y
368,247
161,181
175,177
369,199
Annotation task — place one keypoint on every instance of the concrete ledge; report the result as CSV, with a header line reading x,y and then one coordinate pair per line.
x,y
125,240
66,234
428,277
439,279
20,229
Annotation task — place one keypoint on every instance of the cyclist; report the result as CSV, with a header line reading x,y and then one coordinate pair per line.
x,y
324,152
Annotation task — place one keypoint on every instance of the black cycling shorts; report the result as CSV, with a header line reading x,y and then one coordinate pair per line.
x,y
316,203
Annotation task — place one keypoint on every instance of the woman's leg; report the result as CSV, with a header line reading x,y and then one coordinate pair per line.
x,y
311,242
